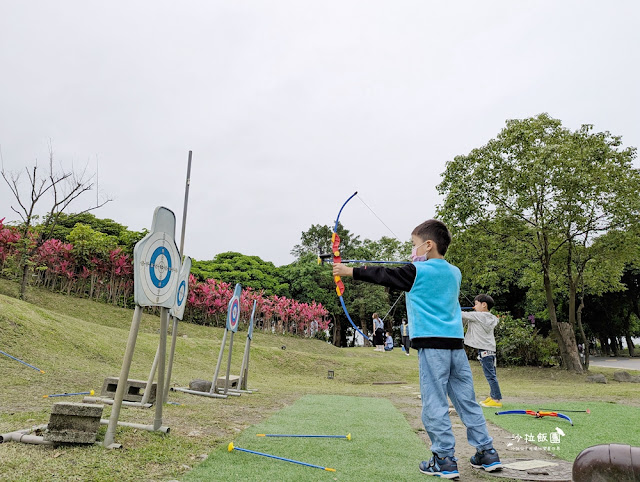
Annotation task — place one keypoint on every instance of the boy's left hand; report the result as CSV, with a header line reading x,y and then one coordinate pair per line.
x,y
340,269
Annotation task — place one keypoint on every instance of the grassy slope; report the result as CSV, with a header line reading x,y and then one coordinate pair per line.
x,y
78,343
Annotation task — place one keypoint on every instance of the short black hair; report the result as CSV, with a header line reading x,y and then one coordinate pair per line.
x,y
436,231
485,298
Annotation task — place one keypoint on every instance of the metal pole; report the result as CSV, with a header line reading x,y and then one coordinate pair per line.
x,y
124,375
215,375
242,385
246,369
186,202
162,350
108,401
141,426
172,350
226,380
152,374
195,392
174,333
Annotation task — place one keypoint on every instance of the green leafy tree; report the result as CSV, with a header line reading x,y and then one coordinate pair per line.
x,y
317,239
551,190
385,249
88,243
490,262
250,271
126,238
615,314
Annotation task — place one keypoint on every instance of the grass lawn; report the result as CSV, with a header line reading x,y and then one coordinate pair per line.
x,y
79,342
375,425
607,423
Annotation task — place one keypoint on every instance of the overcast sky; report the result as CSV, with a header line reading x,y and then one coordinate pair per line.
x,y
291,106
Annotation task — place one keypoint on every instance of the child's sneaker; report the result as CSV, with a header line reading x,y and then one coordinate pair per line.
x,y
446,467
485,400
491,403
487,460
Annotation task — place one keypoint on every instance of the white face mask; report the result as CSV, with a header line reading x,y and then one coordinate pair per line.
x,y
414,254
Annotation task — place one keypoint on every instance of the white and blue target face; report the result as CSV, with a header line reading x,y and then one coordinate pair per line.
x,y
234,314
159,268
182,290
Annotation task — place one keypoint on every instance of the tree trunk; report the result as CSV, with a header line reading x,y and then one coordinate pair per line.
x,y
585,343
336,331
25,277
563,333
630,345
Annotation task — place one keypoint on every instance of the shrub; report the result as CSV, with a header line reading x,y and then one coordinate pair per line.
x,y
518,343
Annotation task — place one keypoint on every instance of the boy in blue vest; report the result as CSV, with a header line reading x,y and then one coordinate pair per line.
x,y
435,326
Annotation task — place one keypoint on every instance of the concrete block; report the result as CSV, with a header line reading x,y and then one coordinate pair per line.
x,y
133,391
75,423
233,382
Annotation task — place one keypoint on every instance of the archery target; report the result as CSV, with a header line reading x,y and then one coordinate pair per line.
x,y
159,265
251,321
182,293
183,288
234,314
233,310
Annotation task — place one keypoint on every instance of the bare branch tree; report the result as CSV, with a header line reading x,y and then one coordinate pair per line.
x,y
63,186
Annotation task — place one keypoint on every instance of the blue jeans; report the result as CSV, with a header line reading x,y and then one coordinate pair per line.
x,y
489,369
442,373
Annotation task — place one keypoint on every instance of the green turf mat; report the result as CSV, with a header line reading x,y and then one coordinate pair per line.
x,y
383,445
607,423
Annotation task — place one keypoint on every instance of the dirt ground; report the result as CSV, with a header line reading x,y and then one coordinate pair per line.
x,y
407,400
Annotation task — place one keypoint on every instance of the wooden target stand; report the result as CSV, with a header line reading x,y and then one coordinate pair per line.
x,y
233,318
156,276
244,370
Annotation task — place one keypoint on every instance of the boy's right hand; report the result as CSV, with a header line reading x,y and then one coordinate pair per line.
x,y
340,269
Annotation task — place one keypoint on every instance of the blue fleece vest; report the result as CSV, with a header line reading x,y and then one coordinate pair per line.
x,y
432,304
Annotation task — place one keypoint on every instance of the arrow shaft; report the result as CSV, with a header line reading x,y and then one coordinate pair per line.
x,y
23,362
282,458
369,261
306,436
561,410
67,394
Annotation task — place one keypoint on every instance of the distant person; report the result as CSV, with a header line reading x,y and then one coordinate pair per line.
x,y
404,332
581,352
481,324
378,333
388,342
435,324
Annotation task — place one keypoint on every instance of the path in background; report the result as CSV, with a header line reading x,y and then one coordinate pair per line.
x,y
624,363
